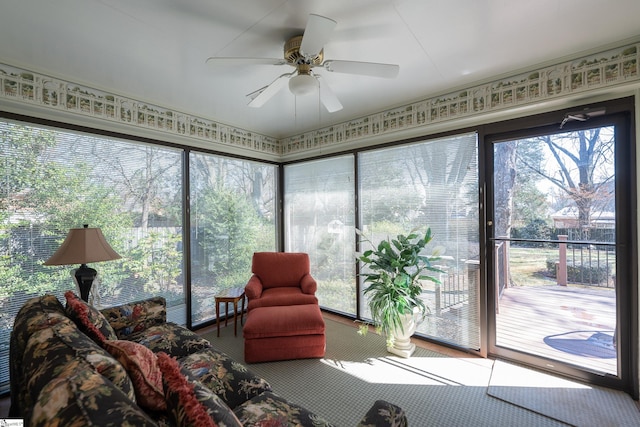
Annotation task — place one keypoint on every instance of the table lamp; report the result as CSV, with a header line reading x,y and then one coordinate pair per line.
x,y
81,246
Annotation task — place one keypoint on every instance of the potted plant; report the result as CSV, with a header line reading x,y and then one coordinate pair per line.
x,y
392,273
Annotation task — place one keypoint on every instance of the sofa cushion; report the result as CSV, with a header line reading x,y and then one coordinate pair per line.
x,y
230,380
142,366
89,320
170,338
36,314
49,351
190,403
385,414
271,409
85,398
134,317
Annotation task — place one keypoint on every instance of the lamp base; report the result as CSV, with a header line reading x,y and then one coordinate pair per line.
x,y
84,277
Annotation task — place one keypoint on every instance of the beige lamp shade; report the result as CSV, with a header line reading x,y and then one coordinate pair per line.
x,y
82,246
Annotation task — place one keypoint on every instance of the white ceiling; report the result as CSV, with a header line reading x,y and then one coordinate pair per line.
x,y
155,50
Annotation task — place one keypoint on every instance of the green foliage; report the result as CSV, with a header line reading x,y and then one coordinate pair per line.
x,y
583,273
230,230
62,191
338,294
157,261
534,230
394,271
386,227
19,169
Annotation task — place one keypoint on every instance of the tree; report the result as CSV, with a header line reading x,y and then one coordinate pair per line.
x,y
580,165
157,261
438,171
530,203
46,192
229,230
146,178
244,176
504,185
20,151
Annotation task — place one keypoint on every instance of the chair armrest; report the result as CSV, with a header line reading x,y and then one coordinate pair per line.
x,y
137,316
253,289
308,284
383,413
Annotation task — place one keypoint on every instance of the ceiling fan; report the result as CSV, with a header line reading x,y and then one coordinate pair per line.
x,y
304,53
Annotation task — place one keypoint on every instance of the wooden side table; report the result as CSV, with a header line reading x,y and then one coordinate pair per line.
x,y
230,295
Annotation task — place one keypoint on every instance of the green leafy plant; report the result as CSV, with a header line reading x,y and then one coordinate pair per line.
x,y
392,273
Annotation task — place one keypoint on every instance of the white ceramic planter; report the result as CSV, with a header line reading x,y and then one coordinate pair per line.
x,y
402,345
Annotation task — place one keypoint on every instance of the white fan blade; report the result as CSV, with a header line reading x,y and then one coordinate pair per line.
x,y
373,69
226,60
316,34
327,97
255,93
269,91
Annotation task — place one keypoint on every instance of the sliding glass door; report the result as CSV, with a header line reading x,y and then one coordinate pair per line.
x,y
559,224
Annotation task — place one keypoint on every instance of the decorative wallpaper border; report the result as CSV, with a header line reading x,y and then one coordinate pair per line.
x,y
31,88
606,69
610,68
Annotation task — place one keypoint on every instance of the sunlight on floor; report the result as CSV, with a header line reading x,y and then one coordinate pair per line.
x,y
508,375
418,370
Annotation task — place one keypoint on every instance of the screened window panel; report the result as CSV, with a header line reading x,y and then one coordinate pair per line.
x,y
233,215
53,180
430,184
320,220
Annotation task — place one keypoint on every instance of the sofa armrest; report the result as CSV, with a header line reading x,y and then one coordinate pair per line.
x,y
308,284
383,414
137,316
253,289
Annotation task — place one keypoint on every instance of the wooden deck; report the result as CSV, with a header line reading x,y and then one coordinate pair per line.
x,y
572,325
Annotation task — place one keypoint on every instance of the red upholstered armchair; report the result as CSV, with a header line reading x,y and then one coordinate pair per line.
x,y
280,278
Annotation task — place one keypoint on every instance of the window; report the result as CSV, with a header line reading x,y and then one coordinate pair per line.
x,y
233,214
430,184
52,180
319,219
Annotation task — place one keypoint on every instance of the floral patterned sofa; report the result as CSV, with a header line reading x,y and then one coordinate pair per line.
x,y
128,366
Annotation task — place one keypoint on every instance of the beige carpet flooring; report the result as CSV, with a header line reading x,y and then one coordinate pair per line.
x,y
570,402
434,389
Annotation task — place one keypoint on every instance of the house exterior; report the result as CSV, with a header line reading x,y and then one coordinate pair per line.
x,y
567,217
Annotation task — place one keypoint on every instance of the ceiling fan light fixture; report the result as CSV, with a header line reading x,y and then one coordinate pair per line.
x,y
303,84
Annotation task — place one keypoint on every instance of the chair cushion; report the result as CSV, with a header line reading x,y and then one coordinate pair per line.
x,y
280,268
282,296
